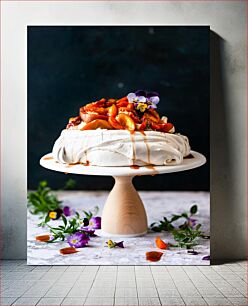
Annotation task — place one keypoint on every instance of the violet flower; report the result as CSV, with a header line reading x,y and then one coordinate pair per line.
x,y
143,100
89,232
192,222
78,240
68,211
94,223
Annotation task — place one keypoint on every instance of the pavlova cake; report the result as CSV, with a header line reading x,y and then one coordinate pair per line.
x,y
121,132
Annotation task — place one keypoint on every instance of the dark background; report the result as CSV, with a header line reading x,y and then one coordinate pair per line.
x,y
69,66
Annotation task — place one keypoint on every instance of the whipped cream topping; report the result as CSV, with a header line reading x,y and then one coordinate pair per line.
x,y
120,148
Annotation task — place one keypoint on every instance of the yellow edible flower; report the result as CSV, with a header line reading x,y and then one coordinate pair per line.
x,y
142,107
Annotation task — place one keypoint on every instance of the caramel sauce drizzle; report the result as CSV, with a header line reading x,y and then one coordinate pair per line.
x,y
87,163
48,158
135,167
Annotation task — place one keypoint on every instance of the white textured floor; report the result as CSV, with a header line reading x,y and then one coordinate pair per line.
x,y
123,285
158,204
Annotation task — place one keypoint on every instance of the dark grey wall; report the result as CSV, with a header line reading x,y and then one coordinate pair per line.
x,y
70,66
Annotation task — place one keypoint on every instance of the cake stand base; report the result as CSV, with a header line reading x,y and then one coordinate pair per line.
x,y
124,214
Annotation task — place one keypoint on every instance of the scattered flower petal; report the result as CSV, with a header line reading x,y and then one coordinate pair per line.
x,y
154,256
160,243
78,240
111,244
120,244
206,257
69,250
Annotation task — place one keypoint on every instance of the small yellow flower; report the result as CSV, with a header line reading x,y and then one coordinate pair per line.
x,y
142,107
53,215
110,244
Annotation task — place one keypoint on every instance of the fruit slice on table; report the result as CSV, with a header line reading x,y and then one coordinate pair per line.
x,y
42,238
97,124
126,122
69,250
160,243
153,256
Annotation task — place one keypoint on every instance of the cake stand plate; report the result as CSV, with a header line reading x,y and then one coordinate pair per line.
x,y
124,214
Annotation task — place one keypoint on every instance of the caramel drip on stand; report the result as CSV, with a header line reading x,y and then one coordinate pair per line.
x,y
47,158
87,163
135,167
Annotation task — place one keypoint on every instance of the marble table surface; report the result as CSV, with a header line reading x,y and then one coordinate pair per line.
x,y
157,203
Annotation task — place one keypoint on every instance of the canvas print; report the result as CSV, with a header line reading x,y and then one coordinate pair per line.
x,y
118,145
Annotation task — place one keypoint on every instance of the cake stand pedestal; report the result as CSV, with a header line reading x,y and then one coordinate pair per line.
x,y
124,214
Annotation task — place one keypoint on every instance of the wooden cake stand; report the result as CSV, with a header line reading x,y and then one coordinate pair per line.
x,y
124,214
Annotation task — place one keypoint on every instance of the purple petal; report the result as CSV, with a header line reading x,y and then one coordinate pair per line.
x,y
140,93
141,99
94,223
206,257
154,99
152,106
152,94
192,222
119,244
131,97
67,211
78,240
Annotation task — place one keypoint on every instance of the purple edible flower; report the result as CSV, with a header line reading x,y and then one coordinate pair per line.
x,y
143,100
119,244
89,232
206,257
78,240
191,222
94,223
67,211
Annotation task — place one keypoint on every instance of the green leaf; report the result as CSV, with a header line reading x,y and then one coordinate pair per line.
x,y
198,226
193,210
64,219
175,217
